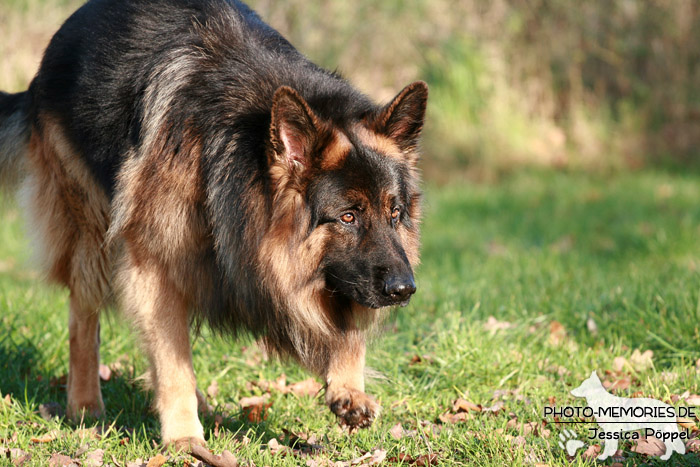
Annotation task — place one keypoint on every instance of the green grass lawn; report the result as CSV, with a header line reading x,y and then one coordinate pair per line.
x,y
584,269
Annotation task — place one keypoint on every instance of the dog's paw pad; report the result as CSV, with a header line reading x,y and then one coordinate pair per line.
x,y
354,408
572,445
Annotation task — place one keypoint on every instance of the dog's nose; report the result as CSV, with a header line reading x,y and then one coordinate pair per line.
x,y
399,289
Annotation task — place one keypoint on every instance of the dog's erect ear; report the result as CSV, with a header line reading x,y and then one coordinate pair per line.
x,y
402,119
594,376
293,128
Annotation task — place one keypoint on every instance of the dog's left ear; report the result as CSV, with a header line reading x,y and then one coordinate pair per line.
x,y
402,119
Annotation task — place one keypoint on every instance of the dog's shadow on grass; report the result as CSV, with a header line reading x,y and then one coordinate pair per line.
x,y
128,407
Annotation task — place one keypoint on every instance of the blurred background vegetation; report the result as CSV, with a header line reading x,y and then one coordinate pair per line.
x,y
602,86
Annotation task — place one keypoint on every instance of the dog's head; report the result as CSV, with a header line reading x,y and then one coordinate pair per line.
x,y
358,184
588,387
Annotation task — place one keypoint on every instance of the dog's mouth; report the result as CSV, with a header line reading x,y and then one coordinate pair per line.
x,y
376,301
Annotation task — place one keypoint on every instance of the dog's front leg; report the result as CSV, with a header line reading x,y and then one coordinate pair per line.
x,y
346,383
161,315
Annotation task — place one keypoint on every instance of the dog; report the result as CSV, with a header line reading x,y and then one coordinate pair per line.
x,y
183,158
617,415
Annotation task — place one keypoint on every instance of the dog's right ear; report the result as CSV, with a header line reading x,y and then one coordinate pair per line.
x,y
293,130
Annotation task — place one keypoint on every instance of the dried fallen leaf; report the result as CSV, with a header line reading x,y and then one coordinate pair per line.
x,y
494,409
48,437
425,460
94,458
275,447
255,407
157,461
396,431
686,423
462,405
641,361
454,417
591,451
557,333
693,445
619,364
592,326
308,387
650,446
136,463
61,460
493,325
213,389
693,399
105,373
225,459
618,385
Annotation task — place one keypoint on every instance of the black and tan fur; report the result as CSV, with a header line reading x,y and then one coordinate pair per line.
x,y
183,157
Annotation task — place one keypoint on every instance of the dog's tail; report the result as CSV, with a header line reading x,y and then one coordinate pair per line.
x,y
14,137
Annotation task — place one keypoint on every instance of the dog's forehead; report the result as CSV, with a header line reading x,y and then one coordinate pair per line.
x,y
364,178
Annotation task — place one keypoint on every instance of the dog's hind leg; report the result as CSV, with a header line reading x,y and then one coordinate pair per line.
x,y
84,395
160,313
609,449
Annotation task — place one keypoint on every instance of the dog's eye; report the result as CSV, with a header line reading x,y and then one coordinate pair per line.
x,y
395,213
348,218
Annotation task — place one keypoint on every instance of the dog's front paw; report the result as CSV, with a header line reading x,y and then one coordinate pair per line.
x,y
354,408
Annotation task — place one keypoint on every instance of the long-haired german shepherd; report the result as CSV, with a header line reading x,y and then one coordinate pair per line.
x,y
182,156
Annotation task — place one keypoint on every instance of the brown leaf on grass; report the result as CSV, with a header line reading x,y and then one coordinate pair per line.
x,y
641,361
494,409
94,458
137,463
213,389
157,461
591,451
686,423
280,384
308,387
255,407
619,364
48,437
396,431
425,460
18,456
276,448
693,445
454,417
617,385
557,333
105,372
650,446
7,400
493,325
693,399
372,458
225,459
463,405
61,460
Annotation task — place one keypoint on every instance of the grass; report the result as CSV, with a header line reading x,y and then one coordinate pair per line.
x,y
533,249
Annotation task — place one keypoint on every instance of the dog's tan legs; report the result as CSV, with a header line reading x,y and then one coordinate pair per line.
x,y
161,314
84,396
346,384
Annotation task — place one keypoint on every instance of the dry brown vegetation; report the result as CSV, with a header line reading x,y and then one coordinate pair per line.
x,y
597,86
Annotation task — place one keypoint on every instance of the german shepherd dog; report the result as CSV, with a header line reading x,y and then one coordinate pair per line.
x,y
184,158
